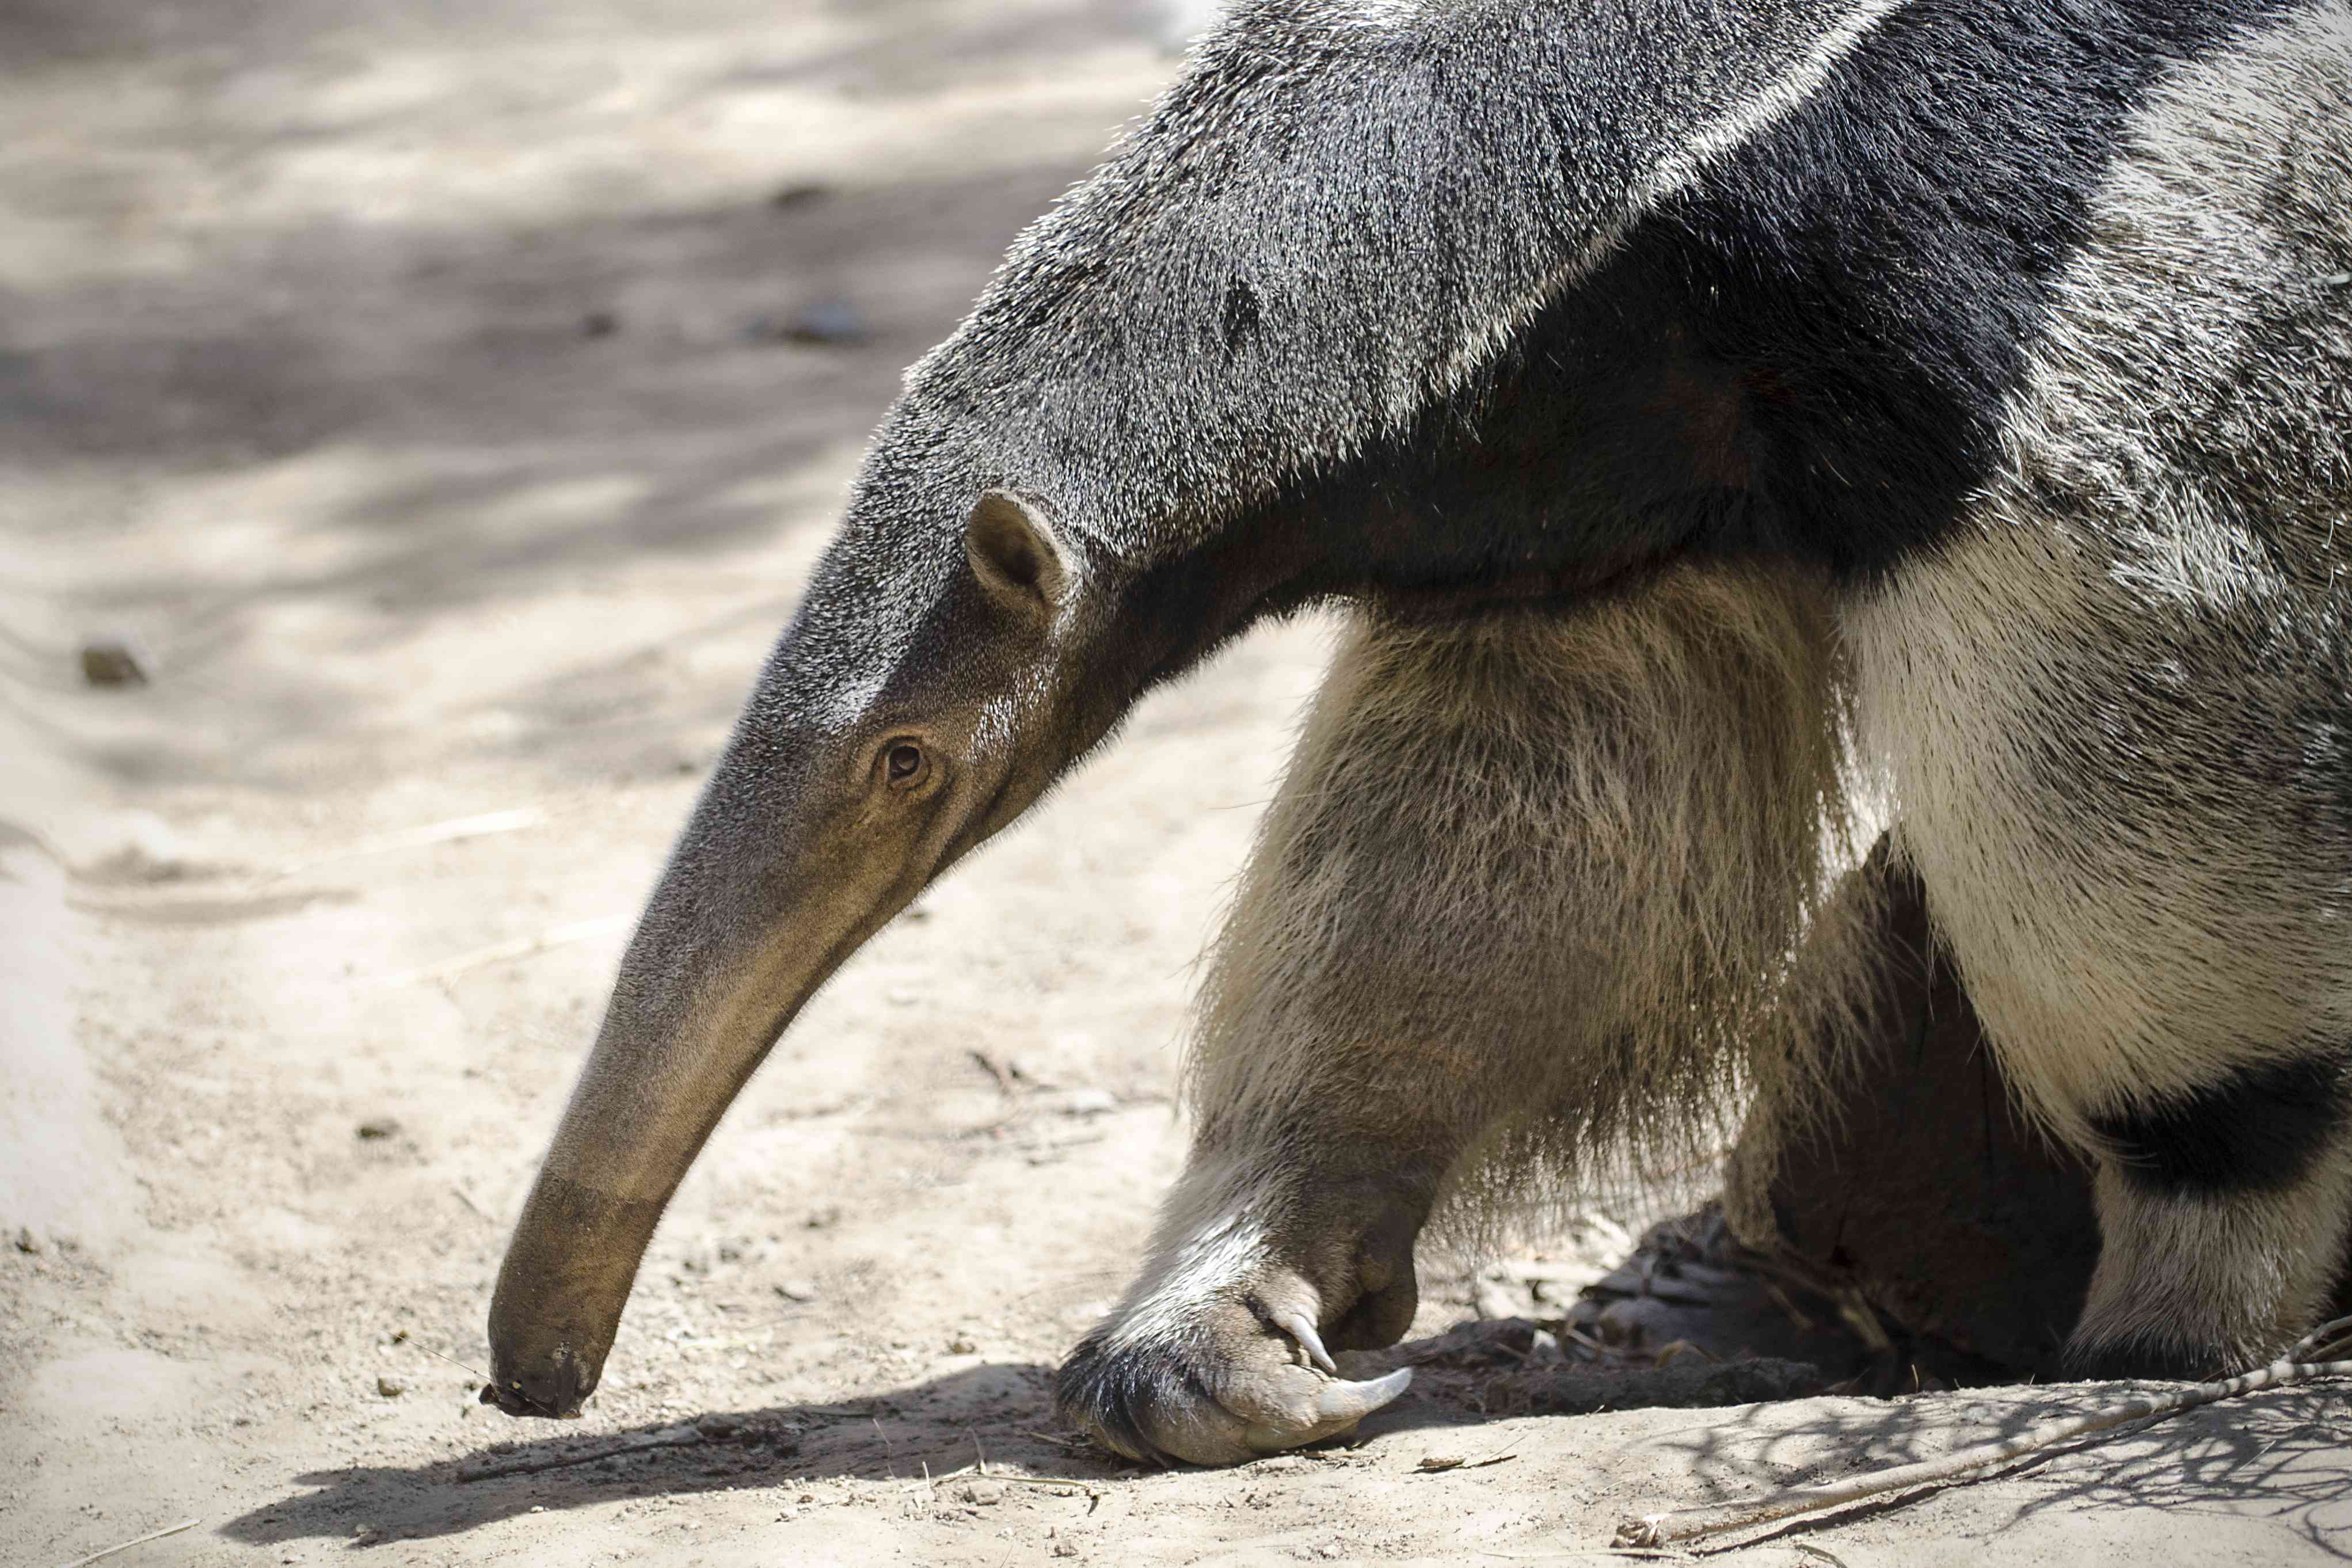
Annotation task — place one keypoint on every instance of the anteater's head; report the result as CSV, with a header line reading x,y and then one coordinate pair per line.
x,y
944,669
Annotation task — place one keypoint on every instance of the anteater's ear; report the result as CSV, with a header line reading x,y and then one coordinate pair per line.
x,y
1014,552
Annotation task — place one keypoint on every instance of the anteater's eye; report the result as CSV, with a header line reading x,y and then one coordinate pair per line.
x,y
904,762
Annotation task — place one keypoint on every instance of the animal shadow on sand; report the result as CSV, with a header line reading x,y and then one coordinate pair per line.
x,y
2276,1457
1001,1412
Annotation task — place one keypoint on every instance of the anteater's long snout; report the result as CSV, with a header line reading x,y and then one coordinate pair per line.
x,y
682,1035
737,936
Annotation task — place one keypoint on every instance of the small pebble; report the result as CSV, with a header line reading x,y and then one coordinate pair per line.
x,y
110,661
800,194
376,1127
830,324
391,1387
25,1240
796,1291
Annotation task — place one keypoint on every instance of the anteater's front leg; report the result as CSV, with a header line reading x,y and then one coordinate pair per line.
x,y
1522,891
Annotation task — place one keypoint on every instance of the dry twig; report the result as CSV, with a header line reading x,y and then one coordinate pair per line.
x,y
126,1545
2305,1362
978,1471
997,1071
1438,1464
1094,1493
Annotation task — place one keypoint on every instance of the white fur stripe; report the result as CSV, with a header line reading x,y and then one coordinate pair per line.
x,y
1677,172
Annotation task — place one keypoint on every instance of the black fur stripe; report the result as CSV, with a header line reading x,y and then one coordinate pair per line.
x,y
2260,1129
1808,353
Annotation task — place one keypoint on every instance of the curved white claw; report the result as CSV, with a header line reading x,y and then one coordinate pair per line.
x,y
1300,1327
1337,1407
1351,1402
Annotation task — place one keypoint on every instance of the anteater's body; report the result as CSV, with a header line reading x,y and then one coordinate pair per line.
x,y
1716,411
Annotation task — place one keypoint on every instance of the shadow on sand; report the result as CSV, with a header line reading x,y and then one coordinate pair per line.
x,y
2269,1457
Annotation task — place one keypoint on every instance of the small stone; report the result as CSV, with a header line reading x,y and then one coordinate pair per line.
x,y
828,323
1065,1549
377,1127
138,846
822,1219
391,1387
717,1426
25,1240
799,193
111,662
962,1344
796,1291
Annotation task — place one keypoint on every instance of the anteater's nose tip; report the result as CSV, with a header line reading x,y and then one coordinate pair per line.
x,y
556,1392
515,1402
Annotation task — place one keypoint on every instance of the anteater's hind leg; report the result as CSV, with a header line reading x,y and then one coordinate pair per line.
x,y
1526,885
2117,706
2134,840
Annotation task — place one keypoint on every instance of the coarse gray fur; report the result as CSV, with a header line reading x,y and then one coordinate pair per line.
x,y
1383,271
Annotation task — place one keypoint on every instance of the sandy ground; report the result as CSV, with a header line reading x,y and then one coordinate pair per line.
x,y
421,392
